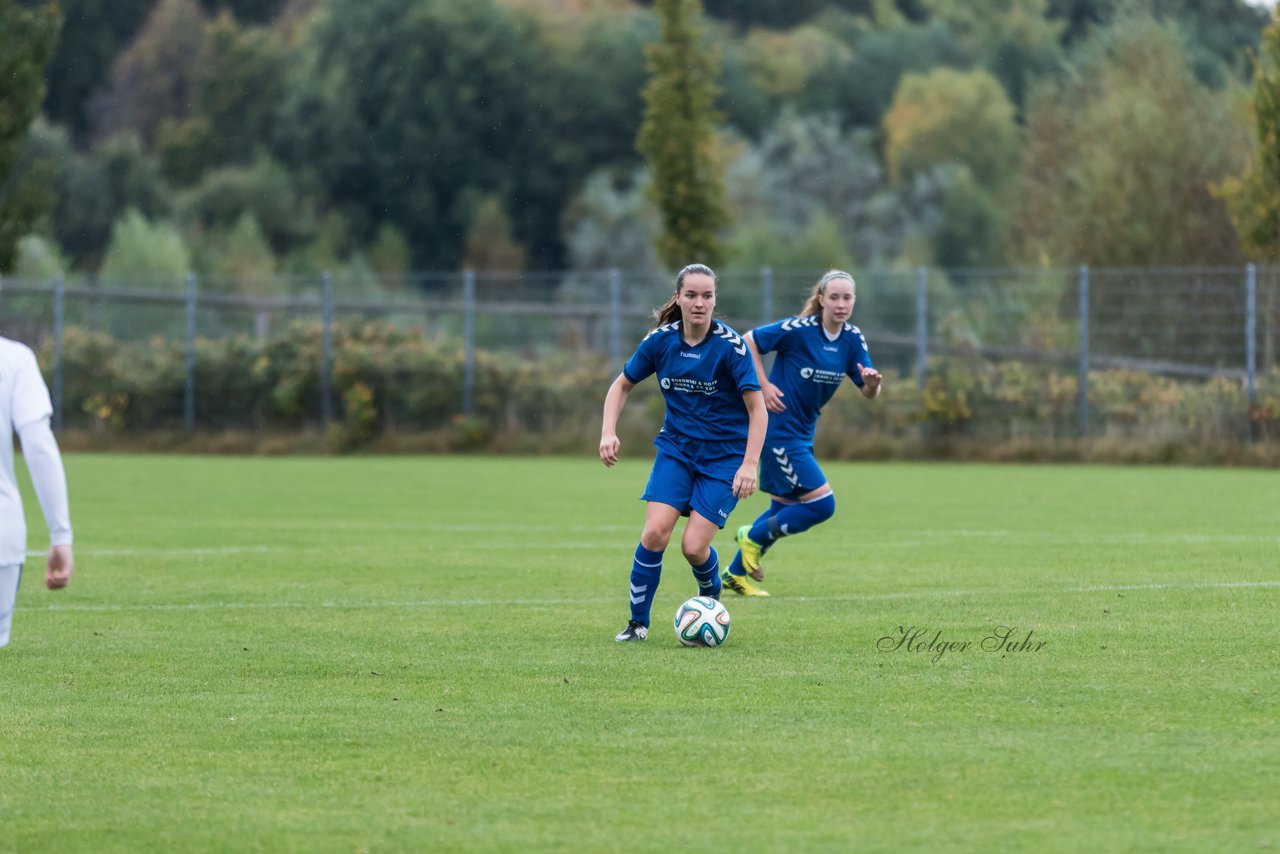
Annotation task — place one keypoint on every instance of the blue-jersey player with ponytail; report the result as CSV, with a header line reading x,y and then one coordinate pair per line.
x,y
815,350
709,445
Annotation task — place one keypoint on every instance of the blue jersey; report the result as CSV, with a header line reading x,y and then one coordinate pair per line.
x,y
701,385
808,370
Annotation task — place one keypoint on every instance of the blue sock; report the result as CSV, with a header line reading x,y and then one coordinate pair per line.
x,y
708,575
735,565
761,533
797,518
646,570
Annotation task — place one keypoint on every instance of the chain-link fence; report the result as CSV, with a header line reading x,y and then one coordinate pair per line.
x,y
1080,341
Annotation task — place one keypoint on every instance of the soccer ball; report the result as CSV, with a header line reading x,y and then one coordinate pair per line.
x,y
702,621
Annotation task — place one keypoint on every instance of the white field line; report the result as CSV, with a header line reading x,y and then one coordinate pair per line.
x,y
887,541
196,552
557,603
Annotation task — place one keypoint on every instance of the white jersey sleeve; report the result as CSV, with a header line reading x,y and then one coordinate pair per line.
x,y
29,401
40,450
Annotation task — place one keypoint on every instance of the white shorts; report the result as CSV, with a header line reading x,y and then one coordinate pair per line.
x,y
10,576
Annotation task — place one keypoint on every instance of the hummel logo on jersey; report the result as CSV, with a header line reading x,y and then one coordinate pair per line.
x,y
729,335
685,355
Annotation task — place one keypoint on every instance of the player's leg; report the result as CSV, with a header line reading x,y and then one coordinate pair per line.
x,y
793,477
696,545
646,567
809,509
10,576
667,493
712,502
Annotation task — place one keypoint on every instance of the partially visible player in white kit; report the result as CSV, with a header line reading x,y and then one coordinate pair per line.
x,y
25,409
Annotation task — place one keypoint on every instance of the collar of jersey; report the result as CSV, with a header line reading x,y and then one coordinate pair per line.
x,y
684,342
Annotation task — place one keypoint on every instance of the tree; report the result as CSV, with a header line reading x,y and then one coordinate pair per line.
x,y
1255,197
489,244
93,32
154,78
1120,170
150,254
952,116
611,224
861,89
27,38
1220,32
93,189
406,113
1013,39
236,91
1121,159
958,128
679,135
807,169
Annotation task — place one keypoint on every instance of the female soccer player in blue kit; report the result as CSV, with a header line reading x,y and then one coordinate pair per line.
x,y
710,441
816,350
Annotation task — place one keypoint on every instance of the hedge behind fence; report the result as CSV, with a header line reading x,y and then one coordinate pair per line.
x,y
394,382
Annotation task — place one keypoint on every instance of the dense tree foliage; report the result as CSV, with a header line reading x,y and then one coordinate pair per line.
x,y
27,38
1122,157
1255,198
376,135
678,138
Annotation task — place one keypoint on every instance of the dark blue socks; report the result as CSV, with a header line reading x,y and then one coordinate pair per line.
x,y
708,575
646,570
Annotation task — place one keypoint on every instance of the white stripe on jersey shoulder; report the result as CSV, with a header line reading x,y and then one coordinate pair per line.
x,y
800,322
849,327
666,327
722,331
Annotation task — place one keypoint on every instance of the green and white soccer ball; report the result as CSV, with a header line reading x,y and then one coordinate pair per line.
x,y
702,621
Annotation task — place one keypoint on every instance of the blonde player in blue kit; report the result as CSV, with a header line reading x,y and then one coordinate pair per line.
x,y
816,350
709,445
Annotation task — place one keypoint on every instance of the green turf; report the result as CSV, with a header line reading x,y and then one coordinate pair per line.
x,y
416,654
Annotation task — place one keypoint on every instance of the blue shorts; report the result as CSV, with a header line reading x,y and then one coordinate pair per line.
x,y
788,472
691,476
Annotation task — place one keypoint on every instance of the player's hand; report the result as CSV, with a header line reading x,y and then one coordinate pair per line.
x,y
57,573
744,482
772,397
870,377
609,450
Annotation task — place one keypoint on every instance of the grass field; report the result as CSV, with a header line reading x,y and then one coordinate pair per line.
x,y
416,654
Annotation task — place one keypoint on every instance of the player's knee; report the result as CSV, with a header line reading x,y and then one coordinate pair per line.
x,y
655,539
695,553
823,508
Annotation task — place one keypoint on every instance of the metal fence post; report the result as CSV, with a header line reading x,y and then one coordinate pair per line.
x,y
922,324
189,389
1083,382
326,356
468,341
1251,340
615,317
59,323
766,295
